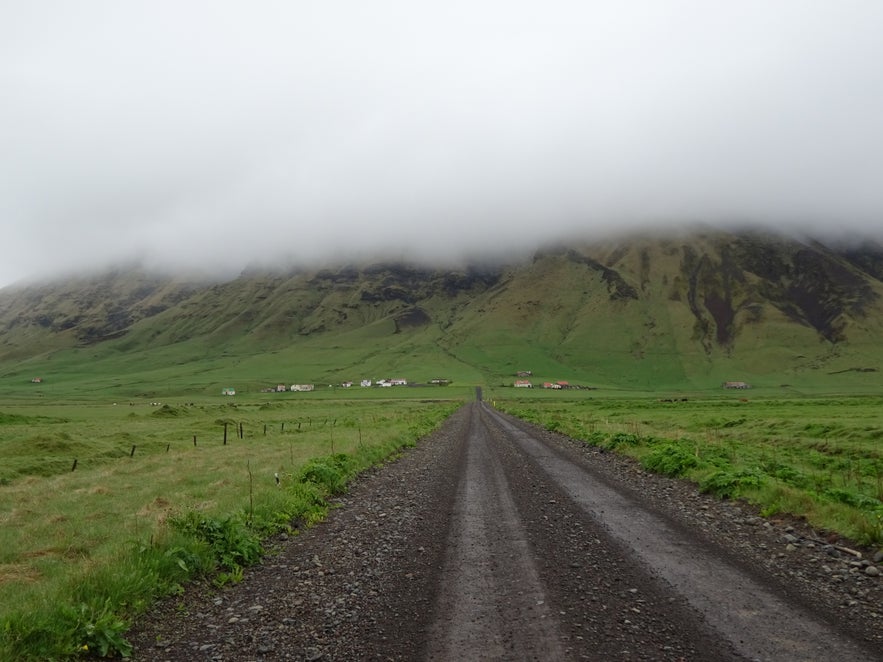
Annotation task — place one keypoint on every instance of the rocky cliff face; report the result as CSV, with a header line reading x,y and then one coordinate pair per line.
x,y
725,284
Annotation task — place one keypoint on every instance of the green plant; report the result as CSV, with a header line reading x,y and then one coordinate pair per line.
x,y
332,472
234,576
232,543
99,629
595,438
729,483
787,474
852,498
671,459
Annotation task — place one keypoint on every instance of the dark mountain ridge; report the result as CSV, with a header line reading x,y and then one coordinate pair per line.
x,y
689,303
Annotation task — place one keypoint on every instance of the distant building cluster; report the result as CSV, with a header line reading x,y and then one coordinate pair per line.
x,y
555,386
736,385
294,388
365,383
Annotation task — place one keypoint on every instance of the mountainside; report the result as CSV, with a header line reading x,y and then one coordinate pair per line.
x,y
667,312
83,310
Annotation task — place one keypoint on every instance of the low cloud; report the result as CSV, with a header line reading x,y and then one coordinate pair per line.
x,y
213,135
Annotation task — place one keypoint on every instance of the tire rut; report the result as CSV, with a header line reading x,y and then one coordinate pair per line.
x,y
492,540
492,604
735,610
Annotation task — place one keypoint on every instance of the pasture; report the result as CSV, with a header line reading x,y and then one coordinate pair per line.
x,y
105,507
819,457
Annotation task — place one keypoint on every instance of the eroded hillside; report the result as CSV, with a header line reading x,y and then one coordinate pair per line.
x,y
648,310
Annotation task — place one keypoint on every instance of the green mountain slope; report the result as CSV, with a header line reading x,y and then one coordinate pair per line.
x,y
677,312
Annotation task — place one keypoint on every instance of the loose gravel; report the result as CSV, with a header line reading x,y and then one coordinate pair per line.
x,y
368,582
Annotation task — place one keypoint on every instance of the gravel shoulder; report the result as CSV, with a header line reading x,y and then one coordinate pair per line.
x,y
467,545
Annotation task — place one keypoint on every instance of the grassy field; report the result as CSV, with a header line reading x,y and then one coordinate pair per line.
x,y
821,457
112,495
105,507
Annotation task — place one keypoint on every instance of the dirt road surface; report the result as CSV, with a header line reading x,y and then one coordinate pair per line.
x,y
493,540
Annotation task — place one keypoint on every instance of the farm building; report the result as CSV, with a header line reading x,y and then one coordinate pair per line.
x,y
738,385
228,390
302,388
523,383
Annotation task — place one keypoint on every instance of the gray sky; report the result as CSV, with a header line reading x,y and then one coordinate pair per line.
x,y
217,133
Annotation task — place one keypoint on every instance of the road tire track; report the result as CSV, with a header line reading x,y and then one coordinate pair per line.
x,y
495,540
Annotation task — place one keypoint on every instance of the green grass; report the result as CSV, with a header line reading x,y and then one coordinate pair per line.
x,y
82,551
817,457
808,442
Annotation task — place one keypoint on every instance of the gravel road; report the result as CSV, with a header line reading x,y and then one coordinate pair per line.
x,y
493,539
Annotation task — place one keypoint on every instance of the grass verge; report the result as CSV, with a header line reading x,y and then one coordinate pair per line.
x,y
86,551
818,458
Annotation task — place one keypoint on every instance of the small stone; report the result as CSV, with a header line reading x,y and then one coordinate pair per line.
x,y
872,571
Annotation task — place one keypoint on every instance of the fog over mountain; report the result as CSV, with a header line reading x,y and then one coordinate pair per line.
x,y
216,134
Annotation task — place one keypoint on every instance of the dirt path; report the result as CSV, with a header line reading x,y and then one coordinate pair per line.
x,y
492,603
494,540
